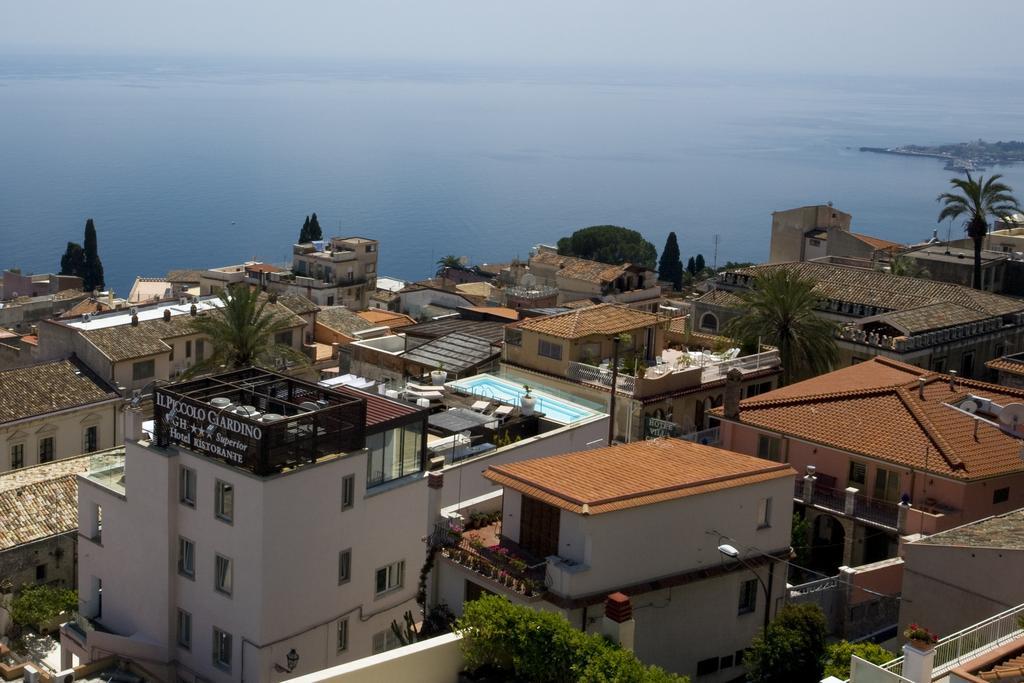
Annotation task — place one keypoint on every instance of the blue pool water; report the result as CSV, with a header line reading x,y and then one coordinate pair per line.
x,y
555,409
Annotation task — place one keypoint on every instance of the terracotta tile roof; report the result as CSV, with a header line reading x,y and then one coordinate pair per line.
x,y
873,410
188,277
341,319
39,389
889,292
264,268
379,318
927,318
634,474
580,269
720,297
876,242
580,303
1010,364
83,307
604,319
42,501
297,304
497,311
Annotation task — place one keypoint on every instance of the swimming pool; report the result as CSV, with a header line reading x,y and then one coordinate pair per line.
x,y
555,409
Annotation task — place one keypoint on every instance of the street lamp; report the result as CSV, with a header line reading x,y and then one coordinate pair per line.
x,y
291,660
732,553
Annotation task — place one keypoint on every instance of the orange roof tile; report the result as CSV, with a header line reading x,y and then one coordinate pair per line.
x,y
876,242
633,474
604,319
386,318
1004,364
498,311
875,409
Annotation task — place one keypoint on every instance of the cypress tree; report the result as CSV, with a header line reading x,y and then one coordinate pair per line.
x,y
699,264
691,266
670,266
73,260
304,233
315,233
92,276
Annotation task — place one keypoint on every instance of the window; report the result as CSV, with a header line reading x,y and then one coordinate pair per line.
x,y
97,524
46,449
348,491
385,640
549,349
184,629
17,456
284,338
389,578
769,448
188,348
222,578
394,454
967,364
41,572
186,557
939,364
748,596
369,267
224,496
706,667
1001,495
221,649
171,357
815,243
887,485
726,662
90,439
858,474
187,486
342,639
513,336
144,369
344,566
764,513
330,300
200,349
709,322
1000,350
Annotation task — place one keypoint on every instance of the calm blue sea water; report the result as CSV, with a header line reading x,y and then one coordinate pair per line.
x,y
480,162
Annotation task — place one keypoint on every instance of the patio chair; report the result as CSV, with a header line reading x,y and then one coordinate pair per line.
x,y
424,387
432,395
502,412
480,406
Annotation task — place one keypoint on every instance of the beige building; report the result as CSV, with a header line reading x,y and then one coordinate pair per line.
x,y
646,520
340,272
812,232
53,411
131,348
577,279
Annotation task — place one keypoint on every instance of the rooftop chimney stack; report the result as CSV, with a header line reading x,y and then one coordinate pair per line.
x,y
920,387
952,380
192,310
732,393
618,624
167,315
135,320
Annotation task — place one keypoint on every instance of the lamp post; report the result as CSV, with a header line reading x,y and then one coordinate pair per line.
x,y
732,553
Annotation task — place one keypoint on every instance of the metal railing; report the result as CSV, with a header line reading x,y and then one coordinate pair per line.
x,y
756,361
971,642
863,671
591,374
708,437
866,509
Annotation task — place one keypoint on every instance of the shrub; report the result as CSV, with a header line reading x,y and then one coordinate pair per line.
x,y
792,650
543,648
837,656
38,604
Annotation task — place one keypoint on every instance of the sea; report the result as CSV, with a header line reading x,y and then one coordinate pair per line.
x,y
199,163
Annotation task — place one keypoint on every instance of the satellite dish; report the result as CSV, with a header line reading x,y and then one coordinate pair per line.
x,y
969,406
1012,415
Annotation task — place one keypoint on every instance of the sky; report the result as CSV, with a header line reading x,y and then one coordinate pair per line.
x,y
874,37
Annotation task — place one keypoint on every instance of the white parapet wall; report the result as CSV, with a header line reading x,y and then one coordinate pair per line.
x,y
437,660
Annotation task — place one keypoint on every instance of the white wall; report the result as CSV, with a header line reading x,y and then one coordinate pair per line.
x,y
438,660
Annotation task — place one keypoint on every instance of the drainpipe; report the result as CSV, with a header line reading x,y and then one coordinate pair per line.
x,y
615,380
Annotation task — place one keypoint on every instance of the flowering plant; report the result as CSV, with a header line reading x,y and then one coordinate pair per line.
x,y
916,632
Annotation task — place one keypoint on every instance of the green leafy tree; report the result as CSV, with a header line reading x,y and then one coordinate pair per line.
x,y
670,265
792,649
92,269
315,233
73,260
243,332
691,266
40,603
976,201
609,244
779,310
699,265
304,232
837,656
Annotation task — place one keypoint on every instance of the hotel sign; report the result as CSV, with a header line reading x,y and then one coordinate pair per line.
x,y
208,430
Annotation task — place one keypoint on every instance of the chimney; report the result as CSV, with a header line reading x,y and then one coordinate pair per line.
x,y
192,310
135,320
167,315
133,419
952,380
732,394
618,624
920,387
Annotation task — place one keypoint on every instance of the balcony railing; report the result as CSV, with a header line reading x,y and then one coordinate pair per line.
x,y
591,374
708,437
969,643
751,363
504,563
865,509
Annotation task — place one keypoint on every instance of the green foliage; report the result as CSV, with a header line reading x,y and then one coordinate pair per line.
x,y
243,332
780,311
691,265
73,260
670,265
40,603
801,539
976,200
733,265
837,656
310,230
908,267
609,244
792,650
542,647
699,265
304,233
92,276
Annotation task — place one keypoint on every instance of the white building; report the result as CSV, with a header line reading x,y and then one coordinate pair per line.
x,y
253,528
696,537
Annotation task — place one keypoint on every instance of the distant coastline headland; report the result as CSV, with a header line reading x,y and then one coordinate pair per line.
x,y
963,156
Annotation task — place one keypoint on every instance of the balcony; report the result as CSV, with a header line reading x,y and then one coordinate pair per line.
x,y
107,470
848,503
504,565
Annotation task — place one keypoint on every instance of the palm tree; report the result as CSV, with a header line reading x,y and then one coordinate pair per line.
x,y
780,311
901,264
450,261
243,332
977,200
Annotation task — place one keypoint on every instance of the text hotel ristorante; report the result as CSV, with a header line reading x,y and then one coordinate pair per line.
x,y
208,430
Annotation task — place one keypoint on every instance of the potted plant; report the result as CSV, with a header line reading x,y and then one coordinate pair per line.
x,y
527,402
438,377
920,638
